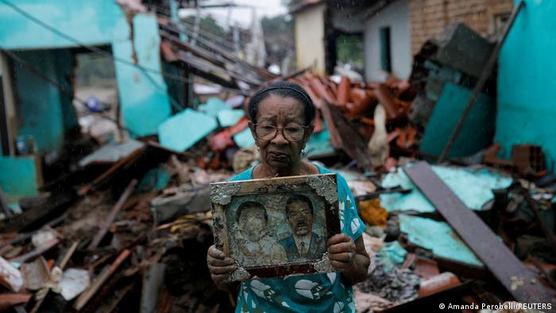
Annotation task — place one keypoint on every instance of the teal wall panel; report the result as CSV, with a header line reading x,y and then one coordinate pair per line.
x,y
65,66
39,108
527,81
91,22
477,131
144,99
18,176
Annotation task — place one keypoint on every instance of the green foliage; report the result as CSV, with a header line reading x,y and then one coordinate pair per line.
x,y
207,24
350,50
94,69
279,37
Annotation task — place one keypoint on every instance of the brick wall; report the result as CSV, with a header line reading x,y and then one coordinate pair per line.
x,y
429,17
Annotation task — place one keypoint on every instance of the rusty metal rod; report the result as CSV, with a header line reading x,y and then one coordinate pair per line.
x,y
485,74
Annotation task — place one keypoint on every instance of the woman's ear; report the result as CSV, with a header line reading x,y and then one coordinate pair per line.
x,y
308,132
252,129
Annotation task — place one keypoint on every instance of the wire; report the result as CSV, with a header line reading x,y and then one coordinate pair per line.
x,y
107,54
60,87
90,48
99,51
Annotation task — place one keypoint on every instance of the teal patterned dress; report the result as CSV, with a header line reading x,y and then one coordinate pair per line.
x,y
305,293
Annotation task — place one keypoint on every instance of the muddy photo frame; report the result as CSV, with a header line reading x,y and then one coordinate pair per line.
x,y
272,195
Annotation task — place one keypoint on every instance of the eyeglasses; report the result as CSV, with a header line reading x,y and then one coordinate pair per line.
x,y
292,132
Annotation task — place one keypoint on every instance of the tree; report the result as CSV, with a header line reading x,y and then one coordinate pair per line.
x,y
206,24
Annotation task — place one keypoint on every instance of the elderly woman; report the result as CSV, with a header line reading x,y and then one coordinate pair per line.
x,y
281,121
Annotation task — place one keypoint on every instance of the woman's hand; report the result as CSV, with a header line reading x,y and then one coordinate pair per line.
x,y
349,257
219,266
341,250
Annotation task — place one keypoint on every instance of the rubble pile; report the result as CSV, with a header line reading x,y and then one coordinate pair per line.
x,y
127,228
140,249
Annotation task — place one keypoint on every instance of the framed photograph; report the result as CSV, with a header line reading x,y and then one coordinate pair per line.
x,y
277,226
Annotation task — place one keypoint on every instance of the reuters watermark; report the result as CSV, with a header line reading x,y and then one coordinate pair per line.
x,y
500,306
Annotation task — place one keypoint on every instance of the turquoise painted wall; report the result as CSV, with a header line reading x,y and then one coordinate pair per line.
x,y
527,81
18,177
40,104
144,99
92,22
477,131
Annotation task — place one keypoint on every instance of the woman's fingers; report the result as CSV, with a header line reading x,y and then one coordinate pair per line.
x,y
215,253
341,247
221,270
338,238
220,263
345,257
339,265
341,250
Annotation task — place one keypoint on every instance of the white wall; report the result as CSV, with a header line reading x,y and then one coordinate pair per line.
x,y
396,16
309,38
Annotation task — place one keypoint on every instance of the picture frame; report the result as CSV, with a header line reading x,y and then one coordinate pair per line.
x,y
277,226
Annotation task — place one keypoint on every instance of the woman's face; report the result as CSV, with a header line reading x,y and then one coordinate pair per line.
x,y
283,113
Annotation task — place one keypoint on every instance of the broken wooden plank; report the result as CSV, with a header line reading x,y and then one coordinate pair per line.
x,y
110,219
68,254
39,215
520,282
111,172
10,276
8,300
100,280
36,252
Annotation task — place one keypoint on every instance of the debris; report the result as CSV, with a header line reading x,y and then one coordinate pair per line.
x,y
378,145
8,300
112,152
463,49
152,283
438,283
426,268
111,217
392,254
213,107
438,237
473,186
99,280
155,179
180,201
44,236
368,302
372,212
74,281
503,264
486,72
529,160
45,246
227,118
10,276
244,139
36,274
184,129
393,284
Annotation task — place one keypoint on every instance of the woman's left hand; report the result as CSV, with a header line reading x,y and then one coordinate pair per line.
x,y
341,251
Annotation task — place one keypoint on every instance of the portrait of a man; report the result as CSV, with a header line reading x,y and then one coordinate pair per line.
x,y
254,242
303,241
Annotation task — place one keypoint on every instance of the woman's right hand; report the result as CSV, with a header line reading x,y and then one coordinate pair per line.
x,y
219,266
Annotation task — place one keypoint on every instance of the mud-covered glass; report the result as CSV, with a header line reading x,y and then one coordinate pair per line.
x,y
292,132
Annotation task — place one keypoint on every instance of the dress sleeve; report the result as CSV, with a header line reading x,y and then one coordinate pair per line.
x,y
350,222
